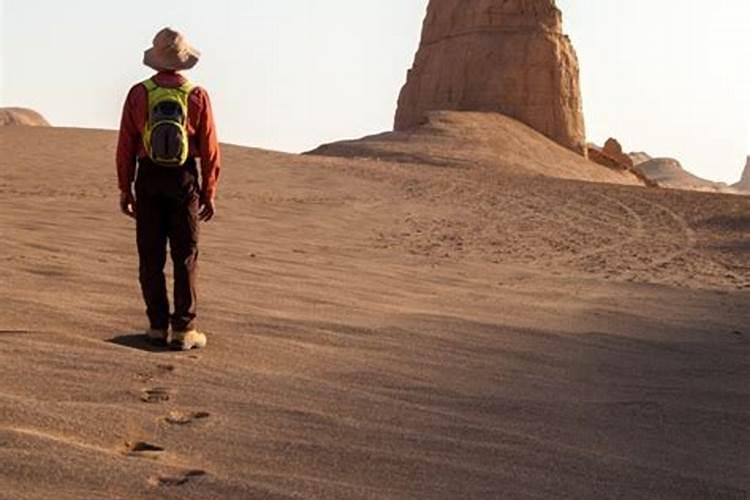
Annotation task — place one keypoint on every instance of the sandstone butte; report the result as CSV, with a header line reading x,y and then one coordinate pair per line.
x,y
505,56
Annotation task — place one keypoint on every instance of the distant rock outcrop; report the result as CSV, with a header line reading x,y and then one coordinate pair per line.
x,y
669,173
505,56
640,157
611,155
21,116
744,184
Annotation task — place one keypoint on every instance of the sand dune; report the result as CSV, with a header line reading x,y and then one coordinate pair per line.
x,y
379,329
464,139
21,116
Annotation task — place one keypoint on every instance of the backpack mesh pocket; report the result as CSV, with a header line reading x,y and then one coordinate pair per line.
x,y
167,142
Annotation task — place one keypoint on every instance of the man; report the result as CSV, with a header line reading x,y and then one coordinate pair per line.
x,y
167,124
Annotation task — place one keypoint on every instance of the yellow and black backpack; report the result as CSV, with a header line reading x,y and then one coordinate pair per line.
x,y
165,136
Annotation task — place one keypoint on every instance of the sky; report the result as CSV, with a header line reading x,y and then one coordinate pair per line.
x,y
669,77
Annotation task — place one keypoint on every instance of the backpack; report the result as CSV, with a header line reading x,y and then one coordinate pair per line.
x,y
165,136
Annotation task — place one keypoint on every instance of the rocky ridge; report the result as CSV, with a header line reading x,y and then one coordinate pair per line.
x,y
744,184
669,173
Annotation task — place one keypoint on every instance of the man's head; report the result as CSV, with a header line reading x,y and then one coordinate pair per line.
x,y
170,52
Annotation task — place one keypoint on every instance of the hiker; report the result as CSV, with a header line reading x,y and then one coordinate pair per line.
x,y
167,125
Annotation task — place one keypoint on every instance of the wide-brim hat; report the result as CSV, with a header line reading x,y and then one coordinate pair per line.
x,y
171,52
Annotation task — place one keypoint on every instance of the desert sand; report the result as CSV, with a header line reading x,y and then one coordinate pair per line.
x,y
402,327
473,139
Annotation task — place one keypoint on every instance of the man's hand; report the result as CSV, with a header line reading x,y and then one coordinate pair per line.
x,y
127,203
207,209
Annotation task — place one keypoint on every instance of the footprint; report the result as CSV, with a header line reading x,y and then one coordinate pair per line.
x,y
143,449
177,480
184,418
156,395
146,377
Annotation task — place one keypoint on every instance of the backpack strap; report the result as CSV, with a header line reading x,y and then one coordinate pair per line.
x,y
185,88
150,85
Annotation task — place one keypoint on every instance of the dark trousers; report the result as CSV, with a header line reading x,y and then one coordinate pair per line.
x,y
167,200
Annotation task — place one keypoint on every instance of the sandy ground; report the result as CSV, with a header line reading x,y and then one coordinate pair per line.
x,y
469,140
377,330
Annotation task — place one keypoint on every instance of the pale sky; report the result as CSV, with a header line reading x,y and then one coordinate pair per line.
x,y
669,77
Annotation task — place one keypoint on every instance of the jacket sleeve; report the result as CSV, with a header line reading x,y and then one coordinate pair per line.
x,y
128,143
208,147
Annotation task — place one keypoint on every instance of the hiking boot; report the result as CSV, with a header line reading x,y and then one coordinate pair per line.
x,y
157,337
185,341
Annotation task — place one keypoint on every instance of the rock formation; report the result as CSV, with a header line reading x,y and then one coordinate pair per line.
x,y
611,155
506,56
744,184
639,157
669,173
21,116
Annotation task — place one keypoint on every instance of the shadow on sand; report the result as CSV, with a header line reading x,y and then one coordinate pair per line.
x,y
140,342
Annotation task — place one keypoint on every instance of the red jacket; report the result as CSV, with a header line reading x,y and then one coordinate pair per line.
x,y
201,130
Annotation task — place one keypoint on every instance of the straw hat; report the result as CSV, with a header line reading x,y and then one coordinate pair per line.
x,y
170,52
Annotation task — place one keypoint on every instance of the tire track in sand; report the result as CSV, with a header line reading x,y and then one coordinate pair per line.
x,y
636,231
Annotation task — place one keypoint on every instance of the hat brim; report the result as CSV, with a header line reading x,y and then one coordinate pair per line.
x,y
172,61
